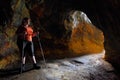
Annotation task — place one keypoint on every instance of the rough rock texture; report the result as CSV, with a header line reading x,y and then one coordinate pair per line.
x,y
12,13
106,15
87,67
103,13
64,32
84,37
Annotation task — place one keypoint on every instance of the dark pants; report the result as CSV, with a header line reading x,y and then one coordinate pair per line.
x,y
30,45
25,46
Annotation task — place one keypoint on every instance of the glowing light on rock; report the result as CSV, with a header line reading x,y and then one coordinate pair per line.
x,y
78,17
103,55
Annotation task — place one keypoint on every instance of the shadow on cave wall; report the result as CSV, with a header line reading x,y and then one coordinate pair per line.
x,y
5,12
103,13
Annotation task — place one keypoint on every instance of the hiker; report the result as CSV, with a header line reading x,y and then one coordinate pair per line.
x,y
25,34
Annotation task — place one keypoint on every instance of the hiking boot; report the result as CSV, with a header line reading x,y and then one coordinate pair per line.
x,y
22,68
35,66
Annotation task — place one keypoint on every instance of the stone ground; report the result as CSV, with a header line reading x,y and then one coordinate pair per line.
x,y
87,67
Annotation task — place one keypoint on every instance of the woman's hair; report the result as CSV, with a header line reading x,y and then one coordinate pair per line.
x,y
25,20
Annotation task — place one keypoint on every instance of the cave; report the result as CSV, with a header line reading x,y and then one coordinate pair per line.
x,y
104,14
47,14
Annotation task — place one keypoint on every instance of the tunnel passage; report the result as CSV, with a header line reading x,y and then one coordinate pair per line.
x,y
104,14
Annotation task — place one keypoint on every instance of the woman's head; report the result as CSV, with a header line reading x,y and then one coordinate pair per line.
x,y
26,21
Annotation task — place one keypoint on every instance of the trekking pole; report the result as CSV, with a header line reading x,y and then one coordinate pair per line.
x,y
41,50
21,62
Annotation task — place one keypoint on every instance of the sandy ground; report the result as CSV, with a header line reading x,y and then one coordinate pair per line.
x,y
88,67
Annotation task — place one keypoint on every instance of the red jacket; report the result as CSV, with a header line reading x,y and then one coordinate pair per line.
x,y
25,33
29,33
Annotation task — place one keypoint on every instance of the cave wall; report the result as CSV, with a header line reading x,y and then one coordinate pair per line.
x,y
104,14
54,18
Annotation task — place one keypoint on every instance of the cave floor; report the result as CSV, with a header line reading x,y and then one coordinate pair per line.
x,y
87,67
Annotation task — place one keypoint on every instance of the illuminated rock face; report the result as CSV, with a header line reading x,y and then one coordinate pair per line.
x,y
50,17
104,14
84,37
73,35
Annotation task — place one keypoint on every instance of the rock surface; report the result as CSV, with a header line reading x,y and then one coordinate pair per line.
x,y
104,14
88,67
63,33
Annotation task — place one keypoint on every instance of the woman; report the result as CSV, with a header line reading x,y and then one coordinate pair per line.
x,y
25,34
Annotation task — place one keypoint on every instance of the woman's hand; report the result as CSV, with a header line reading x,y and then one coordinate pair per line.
x,y
38,32
35,34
